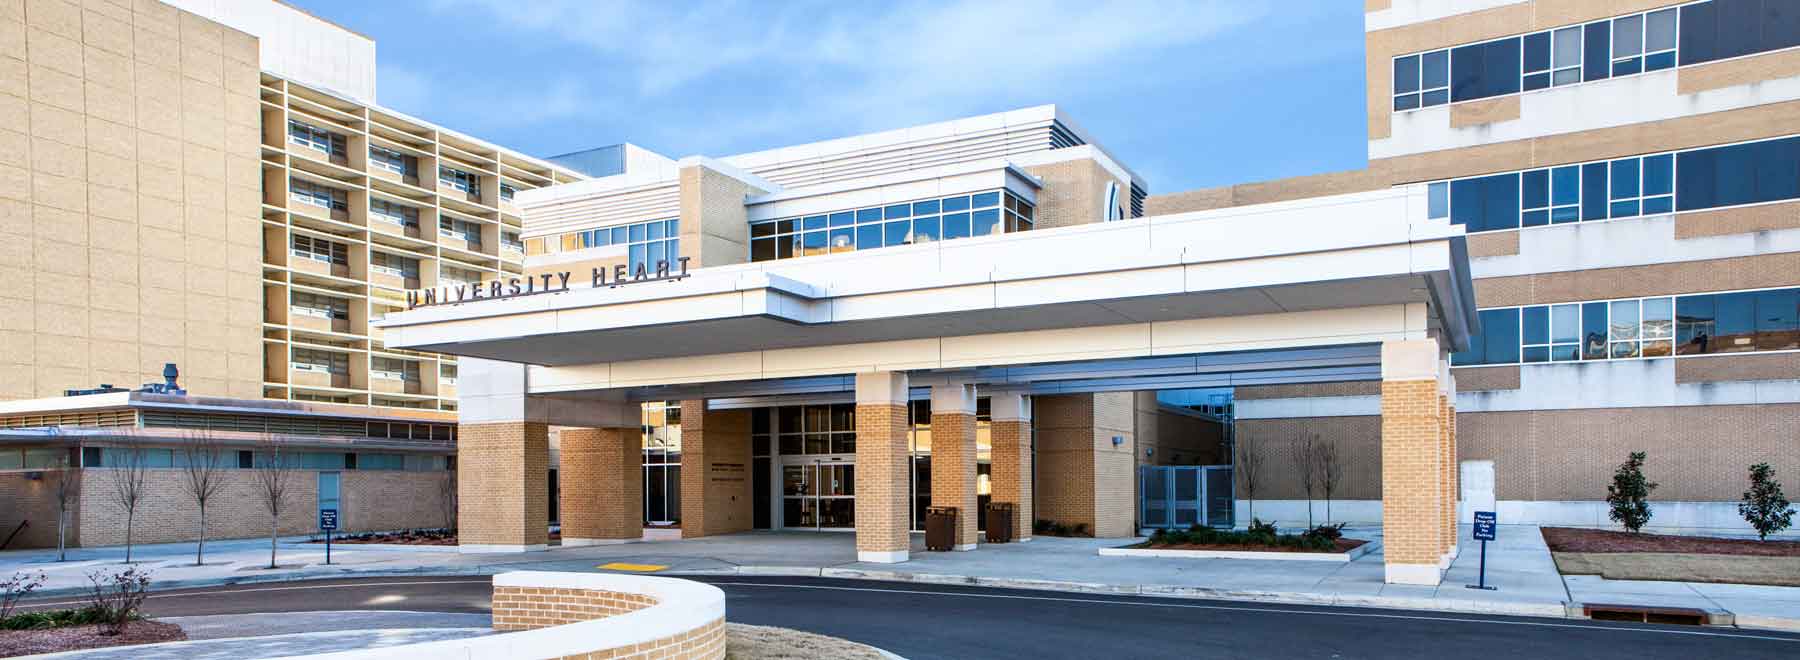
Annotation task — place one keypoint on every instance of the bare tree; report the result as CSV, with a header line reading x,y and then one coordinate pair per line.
x,y
130,472
1249,467
274,483
1306,459
68,490
1331,471
448,500
203,462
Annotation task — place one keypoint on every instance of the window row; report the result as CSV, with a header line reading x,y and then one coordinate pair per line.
x,y
1622,46
459,229
399,215
325,197
1701,324
393,264
164,457
923,221
460,180
319,249
383,158
330,362
393,368
325,307
316,138
1748,173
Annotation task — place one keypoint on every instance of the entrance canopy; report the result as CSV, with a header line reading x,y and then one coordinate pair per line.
x,y
1341,271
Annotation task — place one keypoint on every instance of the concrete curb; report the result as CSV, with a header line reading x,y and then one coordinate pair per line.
x,y
167,585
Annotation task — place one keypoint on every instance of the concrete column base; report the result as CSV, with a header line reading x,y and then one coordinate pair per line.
x,y
1428,575
571,542
880,557
963,547
494,548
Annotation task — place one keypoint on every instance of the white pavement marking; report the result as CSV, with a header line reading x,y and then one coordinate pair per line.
x,y
1275,610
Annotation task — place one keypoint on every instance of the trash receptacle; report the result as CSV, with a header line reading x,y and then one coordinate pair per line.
x,y
999,522
940,528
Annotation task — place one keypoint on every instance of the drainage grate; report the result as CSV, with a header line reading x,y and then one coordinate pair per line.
x,y
1681,616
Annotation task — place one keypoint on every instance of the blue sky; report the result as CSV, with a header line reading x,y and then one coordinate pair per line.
x,y
1188,94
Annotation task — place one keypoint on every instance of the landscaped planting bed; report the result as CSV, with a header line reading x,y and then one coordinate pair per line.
x,y
1638,556
71,638
1570,539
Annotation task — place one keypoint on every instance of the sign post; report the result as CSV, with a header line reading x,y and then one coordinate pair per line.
x,y
328,522
1485,522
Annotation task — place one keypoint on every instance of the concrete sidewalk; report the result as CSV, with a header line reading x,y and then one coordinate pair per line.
x,y
1519,565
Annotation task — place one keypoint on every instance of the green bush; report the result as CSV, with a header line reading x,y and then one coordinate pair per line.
x,y
1260,535
1628,496
54,619
1764,506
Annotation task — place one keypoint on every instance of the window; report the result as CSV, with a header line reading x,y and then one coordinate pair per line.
x,y
317,306
1732,28
306,359
307,192
321,250
393,264
645,243
453,275
447,374
506,191
1552,58
399,215
460,180
923,221
1639,328
1422,80
393,369
1737,322
383,158
510,240
317,139
460,229
1738,174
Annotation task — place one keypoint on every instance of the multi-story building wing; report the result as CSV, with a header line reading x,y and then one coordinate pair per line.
x,y
1629,176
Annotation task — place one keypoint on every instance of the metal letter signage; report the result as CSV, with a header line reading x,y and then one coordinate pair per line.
x,y
545,283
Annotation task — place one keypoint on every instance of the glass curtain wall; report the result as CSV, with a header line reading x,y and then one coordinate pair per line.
x,y
662,463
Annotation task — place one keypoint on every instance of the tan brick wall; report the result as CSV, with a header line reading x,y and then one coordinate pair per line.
x,y
1720,368
1411,460
391,499
1358,444
530,608
1747,70
883,506
1770,270
166,514
1478,379
1744,220
715,227
1009,475
600,480
1074,193
953,469
129,199
715,470
503,497
1493,244
1341,388
1082,477
34,502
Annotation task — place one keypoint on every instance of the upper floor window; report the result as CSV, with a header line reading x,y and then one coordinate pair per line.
x,y
396,214
453,275
383,158
324,197
460,180
459,229
393,264
510,240
324,307
319,249
315,138
1746,173
1653,327
922,221
393,368
506,191
1422,80
306,359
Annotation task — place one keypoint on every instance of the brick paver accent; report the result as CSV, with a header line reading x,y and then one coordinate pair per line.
x,y
529,608
505,499
882,461
602,483
1411,460
953,470
1009,477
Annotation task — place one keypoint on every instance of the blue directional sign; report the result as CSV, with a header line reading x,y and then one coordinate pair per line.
x,y
1485,522
328,520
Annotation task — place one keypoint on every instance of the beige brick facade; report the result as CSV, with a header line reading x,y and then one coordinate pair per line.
x,y
33,502
953,470
530,608
1009,474
1411,465
601,483
715,470
1083,478
883,461
1074,193
504,502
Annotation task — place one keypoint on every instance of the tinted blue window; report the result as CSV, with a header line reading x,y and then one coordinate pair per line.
x,y
1734,327
1406,74
1740,27
1565,185
813,242
956,225
1776,320
1694,186
1625,209
846,218
655,253
618,235
985,221
1537,51
1434,71
1534,189
654,231
1476,354
1466,203
1465,73
1535,322
1627,67
1536,218
1734,176
1501,67
1502,203
1658,205
925,229
1595,51
1659,175
1537,81
1406,102
1500,332
956,204
1593,191
814,222
899,211
1777,169
1699,32
1593,331
983,200
1781,24
1625,178
637,233
894,233
925,207
1694,322
868,236
1659,61
1437,196
636,256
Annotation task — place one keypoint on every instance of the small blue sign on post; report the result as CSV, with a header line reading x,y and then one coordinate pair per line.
x,y
1485,524
328,523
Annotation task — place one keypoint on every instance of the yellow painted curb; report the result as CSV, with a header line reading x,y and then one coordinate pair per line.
x,y
640,568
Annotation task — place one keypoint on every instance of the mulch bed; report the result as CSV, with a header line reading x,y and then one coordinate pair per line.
x,y
1569,539
71,638
1343,545
393,538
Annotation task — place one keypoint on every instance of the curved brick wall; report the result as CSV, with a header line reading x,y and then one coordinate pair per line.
x,y
587,615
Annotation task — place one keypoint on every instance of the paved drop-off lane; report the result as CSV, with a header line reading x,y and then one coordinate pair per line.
x,y
923,622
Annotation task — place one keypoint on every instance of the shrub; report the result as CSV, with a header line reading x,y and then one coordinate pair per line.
x,y
1262,529
51,619
1765,507
1629,494
16,588
1261,534
1327,532
1040,526
1080,529
116,597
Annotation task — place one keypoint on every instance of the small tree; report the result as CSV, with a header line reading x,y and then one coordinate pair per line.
x,y
1764,505
68,490
1249,466
116,597
203,462
274,483
1629,493
1331,471
130,472
1307,461
17,588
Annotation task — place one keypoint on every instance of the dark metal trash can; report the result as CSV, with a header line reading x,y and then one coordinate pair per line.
x,y
940,528
999,522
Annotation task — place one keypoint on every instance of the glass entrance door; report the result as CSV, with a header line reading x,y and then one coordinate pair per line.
x,y
818,492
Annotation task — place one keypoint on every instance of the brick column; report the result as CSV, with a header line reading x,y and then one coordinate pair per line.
x,y
503,489
953,457
883,465
1010,478
1411,462
602,484
1452,464
715,470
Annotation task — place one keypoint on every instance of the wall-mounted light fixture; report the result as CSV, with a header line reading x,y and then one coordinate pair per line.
x,y
1118,440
